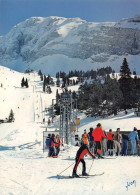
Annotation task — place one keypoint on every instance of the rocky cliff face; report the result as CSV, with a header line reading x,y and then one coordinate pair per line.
x,y
36,38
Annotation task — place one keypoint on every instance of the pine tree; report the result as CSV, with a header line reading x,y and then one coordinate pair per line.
x,y
57,96
125,71
126,85
40,74
26,83
22,82
48,79
58,82
11,116
44,84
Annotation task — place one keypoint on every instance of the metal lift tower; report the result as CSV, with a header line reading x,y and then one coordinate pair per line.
x,y
67,115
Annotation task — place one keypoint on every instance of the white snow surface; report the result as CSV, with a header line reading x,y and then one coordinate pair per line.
x,y
25,169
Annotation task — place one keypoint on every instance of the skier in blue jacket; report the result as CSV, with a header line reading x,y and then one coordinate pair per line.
x,y
133,137
52,143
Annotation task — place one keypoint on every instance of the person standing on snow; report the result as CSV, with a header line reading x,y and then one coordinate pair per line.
x,y
98,134
91,140
110,142
117,141
85,138
124,144
52,146
133,137
104,144
57,144
79,158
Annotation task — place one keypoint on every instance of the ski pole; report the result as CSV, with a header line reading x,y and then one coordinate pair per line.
x,y
91,166
66,168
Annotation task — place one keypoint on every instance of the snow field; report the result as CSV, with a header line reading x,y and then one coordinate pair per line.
x,y
25,169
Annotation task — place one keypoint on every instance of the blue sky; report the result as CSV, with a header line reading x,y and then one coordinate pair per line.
x,y
15,11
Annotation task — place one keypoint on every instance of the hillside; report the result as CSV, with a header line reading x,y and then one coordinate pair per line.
x,y
57,43
25,169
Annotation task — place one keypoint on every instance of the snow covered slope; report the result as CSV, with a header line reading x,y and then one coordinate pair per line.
x,y
57,43
25,169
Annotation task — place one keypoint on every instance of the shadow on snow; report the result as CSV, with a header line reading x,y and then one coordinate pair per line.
x,y
29,145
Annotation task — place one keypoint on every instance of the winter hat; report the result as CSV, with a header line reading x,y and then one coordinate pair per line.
x,y
99,125
91,129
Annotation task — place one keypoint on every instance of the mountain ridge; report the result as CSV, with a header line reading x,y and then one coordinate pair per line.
x,y
43,43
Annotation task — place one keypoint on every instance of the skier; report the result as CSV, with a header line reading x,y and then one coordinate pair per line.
x,y
104,143
57,144
51,146
85,138
117,141
91,140
110,142
133,137
124,144
98,134
79,158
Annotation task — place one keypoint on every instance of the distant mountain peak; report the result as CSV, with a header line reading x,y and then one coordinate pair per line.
x,y
133,19
58,42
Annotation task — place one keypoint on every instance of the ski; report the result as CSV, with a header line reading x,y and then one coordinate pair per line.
x,y
69,177
108,158
97,174
80,176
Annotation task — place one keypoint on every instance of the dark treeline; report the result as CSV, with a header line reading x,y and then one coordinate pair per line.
x,y
91,73
109,97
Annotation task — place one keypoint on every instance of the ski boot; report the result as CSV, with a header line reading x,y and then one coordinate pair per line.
x,y
84,173
75,175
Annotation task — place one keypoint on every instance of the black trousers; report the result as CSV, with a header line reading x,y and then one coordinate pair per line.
x,y
57,150
78,160
98,146
109,144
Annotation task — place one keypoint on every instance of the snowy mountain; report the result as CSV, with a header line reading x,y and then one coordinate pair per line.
x,y
25,169
56,43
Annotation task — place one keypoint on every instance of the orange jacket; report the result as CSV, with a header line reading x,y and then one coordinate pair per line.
x,y
85,138
98,133
58,142
109,136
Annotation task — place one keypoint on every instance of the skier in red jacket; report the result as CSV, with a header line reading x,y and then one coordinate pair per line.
x,y
98,134
110,142
79,158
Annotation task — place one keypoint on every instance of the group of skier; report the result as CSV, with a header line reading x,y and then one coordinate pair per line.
x,y
92,143
95,139
54,145
111,142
